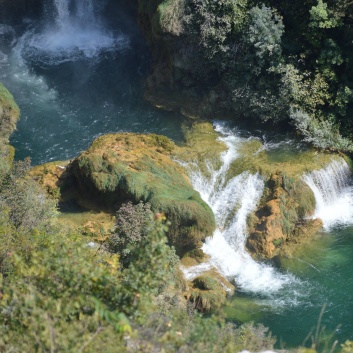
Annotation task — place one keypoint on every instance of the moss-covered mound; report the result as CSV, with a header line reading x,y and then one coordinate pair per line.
x,y
254,157
207,293
122,167
9,115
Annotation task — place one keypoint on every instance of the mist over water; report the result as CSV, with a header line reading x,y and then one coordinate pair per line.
x,y
77,32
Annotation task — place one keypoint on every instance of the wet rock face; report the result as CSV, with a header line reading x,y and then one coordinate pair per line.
x,y
282,218
122,167
9,115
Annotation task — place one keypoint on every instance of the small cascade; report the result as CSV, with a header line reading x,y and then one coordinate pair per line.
x,y
333,192
232,200
77,32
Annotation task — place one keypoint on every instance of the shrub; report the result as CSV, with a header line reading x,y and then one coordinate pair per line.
x,y
133,222
321,133
27,204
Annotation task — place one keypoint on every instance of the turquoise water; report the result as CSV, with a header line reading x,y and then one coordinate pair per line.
x,y
324,268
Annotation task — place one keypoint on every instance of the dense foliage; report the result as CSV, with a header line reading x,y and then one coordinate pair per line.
x,y
59,292
277,61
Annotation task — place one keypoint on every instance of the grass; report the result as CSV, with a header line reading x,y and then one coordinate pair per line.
x,y
207,294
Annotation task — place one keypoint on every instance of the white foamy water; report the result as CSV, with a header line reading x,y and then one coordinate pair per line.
x,y
192,272
333,192
77,32
232,200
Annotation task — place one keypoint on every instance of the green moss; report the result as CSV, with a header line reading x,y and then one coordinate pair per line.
x,y
9,113
205,283
278,242
137,167
196,254
207,294
202,146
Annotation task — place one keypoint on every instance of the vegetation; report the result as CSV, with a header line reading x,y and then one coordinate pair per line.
x,y
207,294
287,62
64,291
58,292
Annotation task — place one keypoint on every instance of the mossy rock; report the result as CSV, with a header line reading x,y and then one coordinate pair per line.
x,y
253,158
7,154
135,167
282,217
54,178
9,115
207,294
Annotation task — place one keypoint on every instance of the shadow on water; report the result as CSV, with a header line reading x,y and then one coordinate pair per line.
x,y
69,94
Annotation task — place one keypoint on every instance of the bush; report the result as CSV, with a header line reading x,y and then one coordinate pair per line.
x,y
264,34
27,204
321,133
217,23
133,222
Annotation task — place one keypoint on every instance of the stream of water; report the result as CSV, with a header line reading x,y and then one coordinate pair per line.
x,y
76,75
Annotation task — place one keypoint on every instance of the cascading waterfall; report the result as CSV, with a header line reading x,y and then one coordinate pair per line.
x,y
232,200
333,192
77,32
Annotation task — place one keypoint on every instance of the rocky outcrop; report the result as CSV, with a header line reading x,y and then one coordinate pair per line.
x,y
131,167
9,115
182,75
283,217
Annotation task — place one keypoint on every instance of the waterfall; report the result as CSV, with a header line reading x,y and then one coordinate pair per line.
x,y
75,12
232,200
333,192
63,13
77,32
